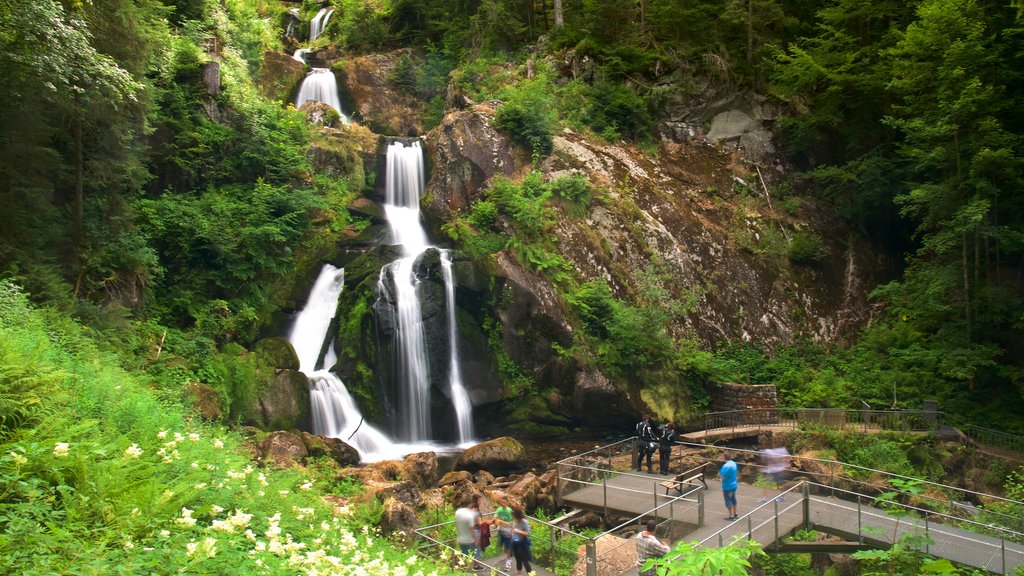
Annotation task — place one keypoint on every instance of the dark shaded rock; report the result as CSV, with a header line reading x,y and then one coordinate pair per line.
x,y
484,477
333,448
421,468
283,449
206,401
598,402
279,75
495,456
278,352
526,489
399,519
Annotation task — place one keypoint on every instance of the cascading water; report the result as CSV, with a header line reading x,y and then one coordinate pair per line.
x,y
300,54
460,399
319,23
403,186
334,412
320,85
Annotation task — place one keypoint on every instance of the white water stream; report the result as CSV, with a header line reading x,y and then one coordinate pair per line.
x,y
319,23
320,85
403,186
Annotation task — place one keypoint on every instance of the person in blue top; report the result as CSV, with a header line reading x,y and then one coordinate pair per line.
x,y
728,474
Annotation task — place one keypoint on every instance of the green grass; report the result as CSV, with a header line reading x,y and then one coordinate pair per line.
x,y
98,475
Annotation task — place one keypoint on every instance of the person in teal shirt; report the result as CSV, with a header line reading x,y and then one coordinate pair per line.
x,y
728,474
503,519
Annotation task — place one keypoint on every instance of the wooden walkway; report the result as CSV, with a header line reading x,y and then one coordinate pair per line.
x,y
634,495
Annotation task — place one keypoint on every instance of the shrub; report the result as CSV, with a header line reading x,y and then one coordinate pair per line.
x,y
807,248
526,113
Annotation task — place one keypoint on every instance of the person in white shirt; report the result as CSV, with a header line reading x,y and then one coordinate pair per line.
x,y
467,533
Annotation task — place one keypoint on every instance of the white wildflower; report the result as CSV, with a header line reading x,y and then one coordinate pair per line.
x,y
19,459
306,487
193,437
162,434
60,449
133,451
218,443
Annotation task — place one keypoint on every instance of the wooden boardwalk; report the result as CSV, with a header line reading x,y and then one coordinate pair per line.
x,y
635,495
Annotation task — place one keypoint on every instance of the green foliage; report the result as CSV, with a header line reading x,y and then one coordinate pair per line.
x,y
690,559
117,481
225,245
526,113
884,455
806,247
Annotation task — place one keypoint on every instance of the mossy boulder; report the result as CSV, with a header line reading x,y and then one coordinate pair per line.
x,y
205,401
279,75
497,456
283,404
278,352
283,449
333,448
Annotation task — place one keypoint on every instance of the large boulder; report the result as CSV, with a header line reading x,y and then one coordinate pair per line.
x,y
206,401
283,449
495,456
278,352
421,468
321,114
283,404
399,519
279,75
333,448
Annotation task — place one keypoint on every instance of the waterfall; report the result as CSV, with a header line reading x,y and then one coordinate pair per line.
x,y
300,55
403,185
460,399
334,412
319,23
320,85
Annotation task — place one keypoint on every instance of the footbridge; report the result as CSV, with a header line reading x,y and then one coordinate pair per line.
x,y
838,499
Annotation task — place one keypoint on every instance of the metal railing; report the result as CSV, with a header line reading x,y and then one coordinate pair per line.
x,y
857,420
982,546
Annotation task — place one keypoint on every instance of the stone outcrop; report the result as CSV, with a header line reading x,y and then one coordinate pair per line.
x,y
496,456
379,103
618,556
466,152
728,396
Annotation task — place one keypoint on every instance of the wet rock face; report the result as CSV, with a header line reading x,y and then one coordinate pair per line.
x,y
496,456
379,104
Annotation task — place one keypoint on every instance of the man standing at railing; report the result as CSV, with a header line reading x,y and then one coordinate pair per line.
x,y
666,439
645,443
648,546
730,482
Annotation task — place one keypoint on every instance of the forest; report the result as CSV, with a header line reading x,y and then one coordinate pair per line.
x,y
156,227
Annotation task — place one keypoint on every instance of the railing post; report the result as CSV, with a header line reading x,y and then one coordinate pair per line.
x,y
591,558
750,527
604,486
926,535
806,489
776,503
551,555
700,508
1002,546
860,533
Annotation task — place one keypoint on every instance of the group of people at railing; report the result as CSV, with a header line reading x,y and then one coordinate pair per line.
x,y
649,439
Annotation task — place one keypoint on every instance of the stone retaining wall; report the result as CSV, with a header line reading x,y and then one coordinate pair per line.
x,y
729,396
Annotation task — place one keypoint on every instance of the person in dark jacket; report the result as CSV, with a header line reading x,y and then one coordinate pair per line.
x,y
645,443
666,440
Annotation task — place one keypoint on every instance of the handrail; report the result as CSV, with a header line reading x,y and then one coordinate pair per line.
x,y
918,420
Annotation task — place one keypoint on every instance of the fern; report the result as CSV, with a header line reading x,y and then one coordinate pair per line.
x,y
24,388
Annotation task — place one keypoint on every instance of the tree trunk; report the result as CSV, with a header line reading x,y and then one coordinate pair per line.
x,y
79,187
750,34
559,20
